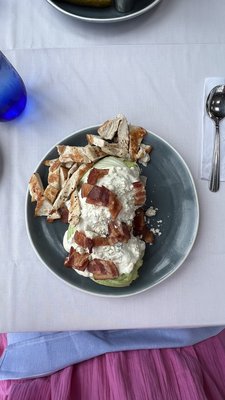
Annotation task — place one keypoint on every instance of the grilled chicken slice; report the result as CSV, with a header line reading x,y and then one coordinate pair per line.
x,y
95,140
70,185
35,187
74,208
123,136
43,207
109,129
79,154
54,175
136,134
50,193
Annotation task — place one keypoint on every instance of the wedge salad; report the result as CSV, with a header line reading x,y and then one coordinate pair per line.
x,y
98,190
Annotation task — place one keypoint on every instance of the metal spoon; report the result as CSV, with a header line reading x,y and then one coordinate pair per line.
x,y
215,106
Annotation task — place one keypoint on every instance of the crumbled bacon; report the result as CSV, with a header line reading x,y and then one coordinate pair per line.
x,y
102,241
115,205
83,241
98,196
64,212
148,235
139,193
139,222
101,196
96,174
103,269
119,231
77,260
85,189
140,228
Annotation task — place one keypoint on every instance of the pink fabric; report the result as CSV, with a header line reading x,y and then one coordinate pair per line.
x,y
189,373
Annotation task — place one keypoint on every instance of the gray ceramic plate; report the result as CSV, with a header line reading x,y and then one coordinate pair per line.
x,y
103,15
170,188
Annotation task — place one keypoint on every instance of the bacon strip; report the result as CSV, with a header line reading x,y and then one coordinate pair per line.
x,y
139,222
115,205
139,193
98,196
85,189
76,260
103,269
83,241
102,241
140,228
101,196
148,235
119,231
96,174
64,213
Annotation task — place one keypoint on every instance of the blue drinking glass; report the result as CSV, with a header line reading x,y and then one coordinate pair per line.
x,y
13,96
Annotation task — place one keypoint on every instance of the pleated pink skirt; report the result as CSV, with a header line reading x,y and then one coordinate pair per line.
x,y
189,373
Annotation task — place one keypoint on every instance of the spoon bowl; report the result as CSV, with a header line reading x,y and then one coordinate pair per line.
x,y
215,106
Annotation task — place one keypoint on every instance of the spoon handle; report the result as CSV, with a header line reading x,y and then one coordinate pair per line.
x,y
215,173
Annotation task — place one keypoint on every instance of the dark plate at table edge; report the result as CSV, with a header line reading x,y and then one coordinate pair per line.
x,y
126,17
195,230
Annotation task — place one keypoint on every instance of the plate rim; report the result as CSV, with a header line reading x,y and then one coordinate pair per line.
x,y
106,20
139,291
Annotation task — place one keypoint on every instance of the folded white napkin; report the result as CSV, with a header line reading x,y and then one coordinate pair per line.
x,y
208,133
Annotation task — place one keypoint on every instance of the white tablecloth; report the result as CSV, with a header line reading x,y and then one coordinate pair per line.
x,y
68,68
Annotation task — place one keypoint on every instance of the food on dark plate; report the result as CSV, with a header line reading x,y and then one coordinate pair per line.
x,y
98,190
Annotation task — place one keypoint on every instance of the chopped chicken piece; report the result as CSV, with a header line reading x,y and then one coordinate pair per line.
x,y
95,140
53,174
35,187
48,163
143,156
123,136
50,193
63,174
53,215
74,208
114,149
136,136
43,207
70,185
79,154
72,169
110,128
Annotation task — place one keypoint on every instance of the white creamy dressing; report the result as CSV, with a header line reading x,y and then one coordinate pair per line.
x,y
124,255
94,221
119,180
